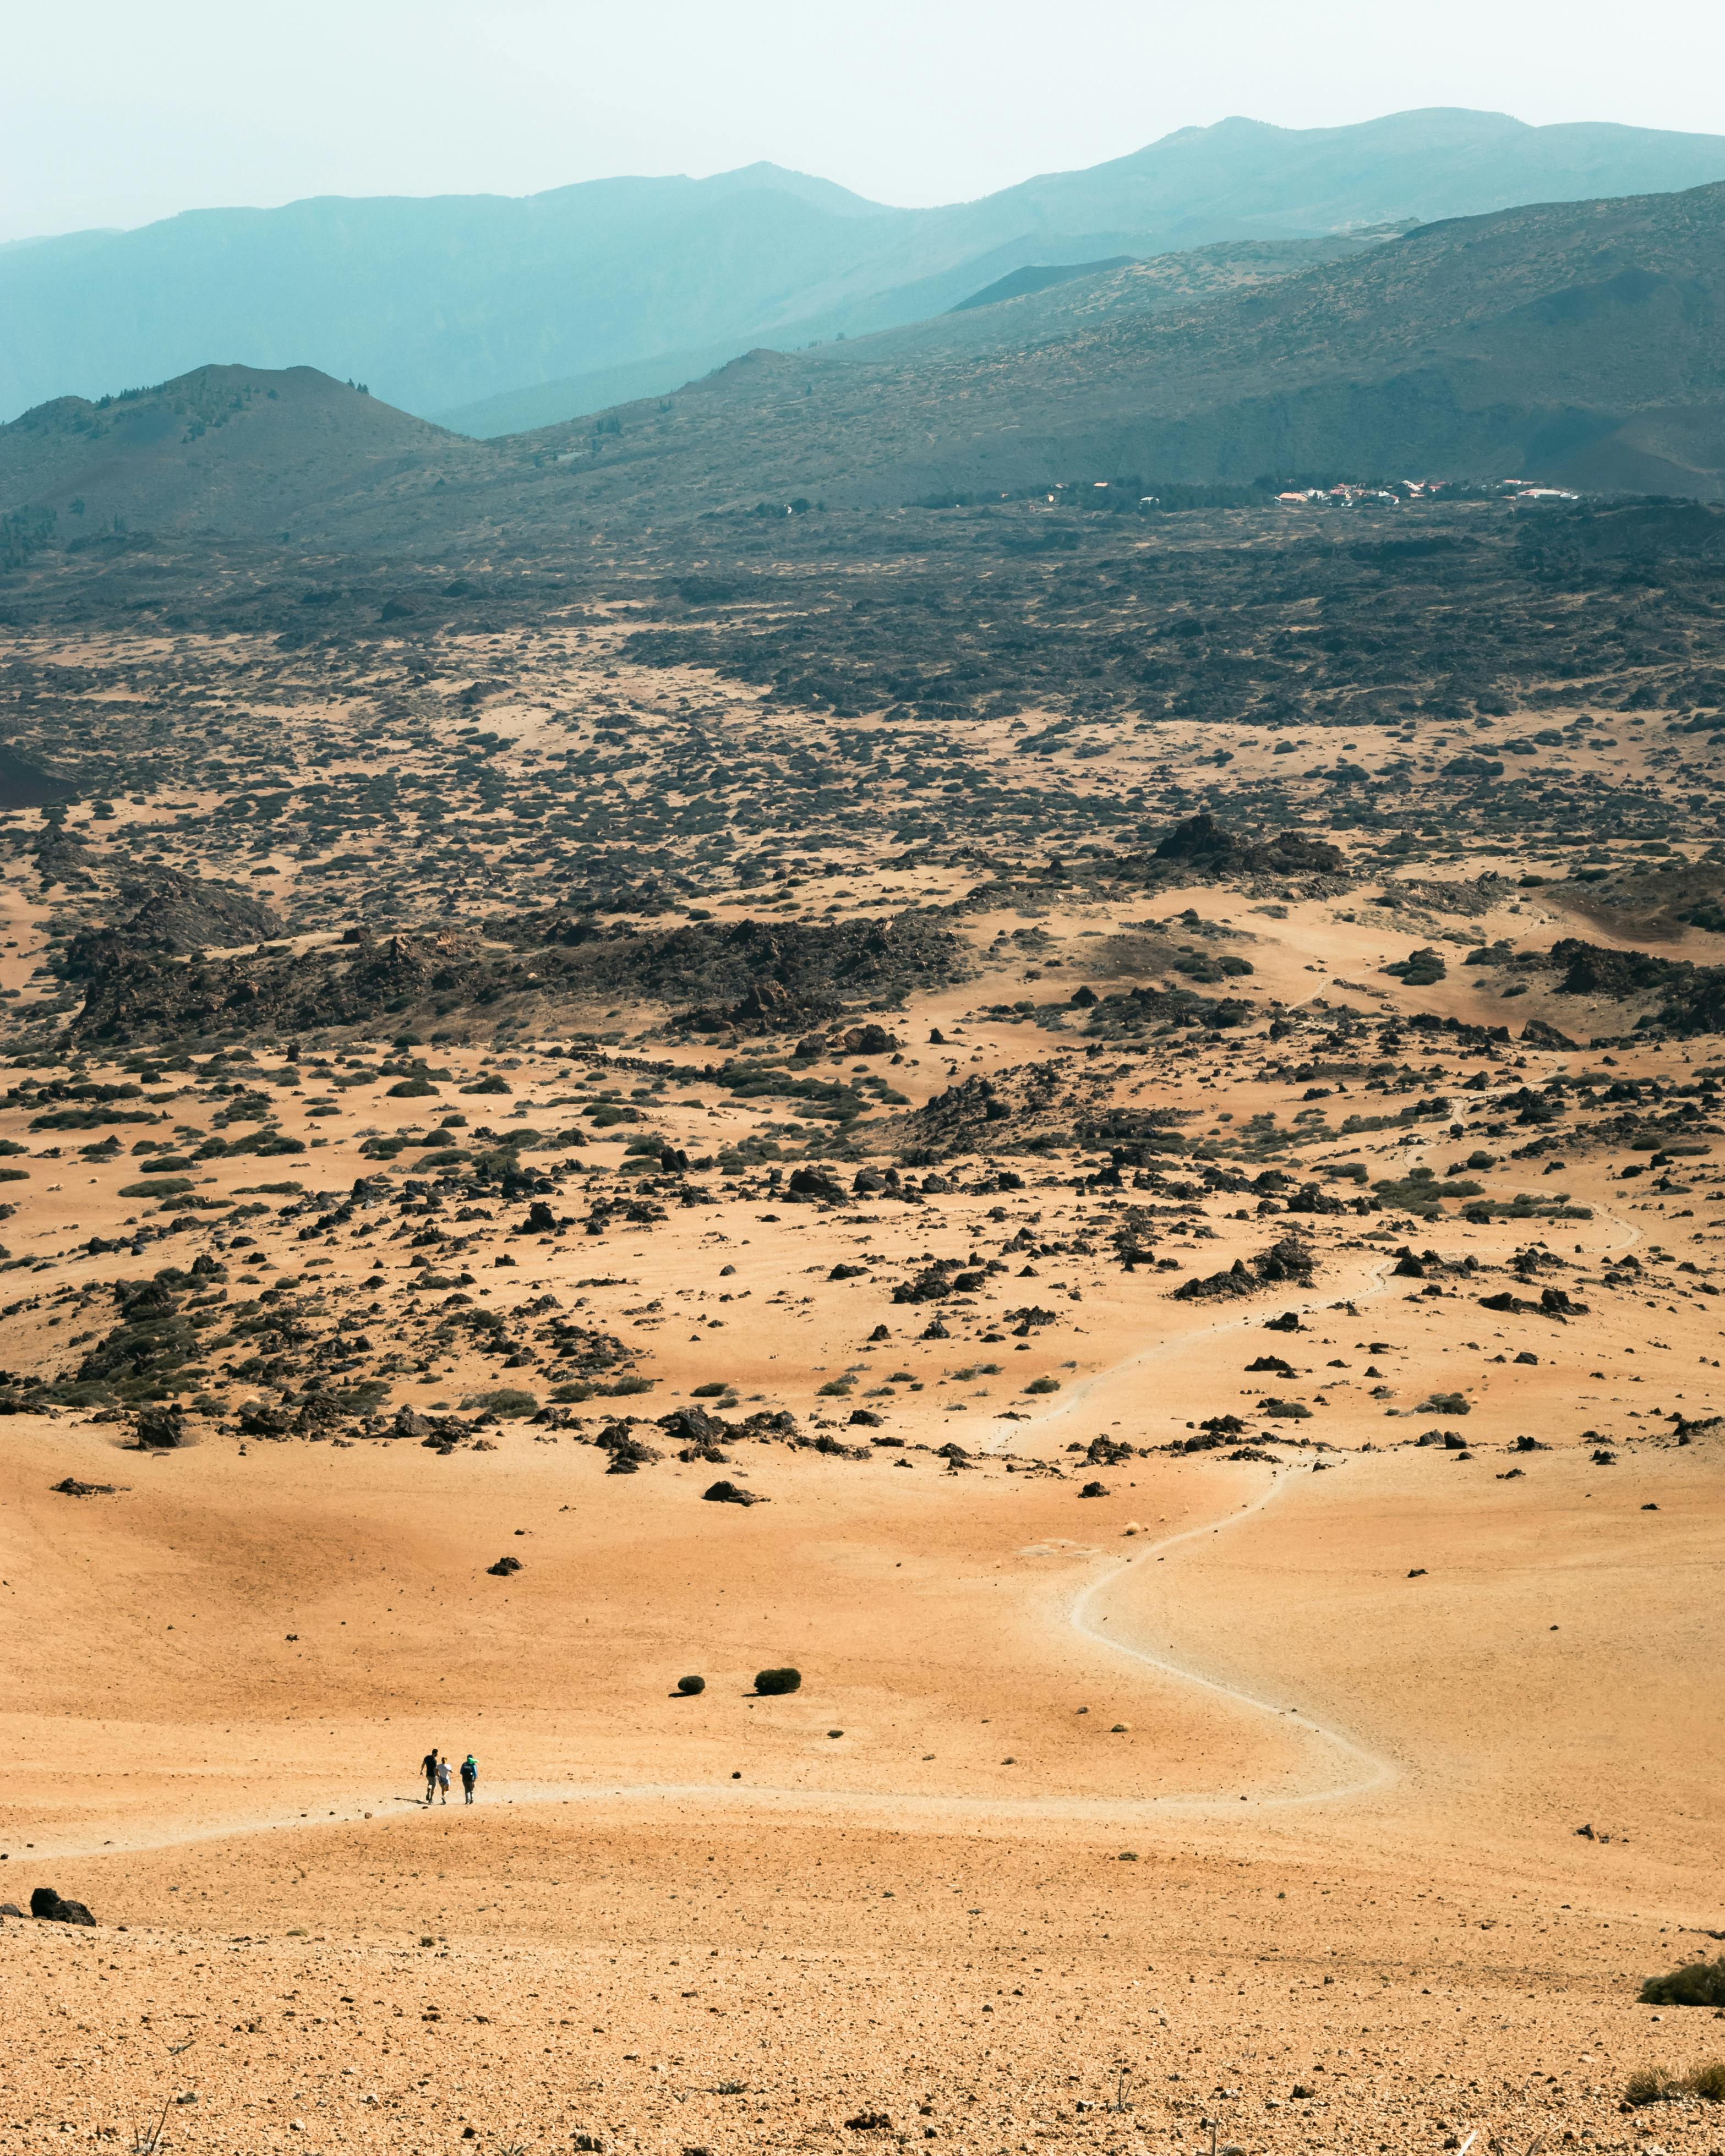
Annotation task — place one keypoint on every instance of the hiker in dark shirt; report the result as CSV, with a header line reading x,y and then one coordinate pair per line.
x,y
429,1767
469,1776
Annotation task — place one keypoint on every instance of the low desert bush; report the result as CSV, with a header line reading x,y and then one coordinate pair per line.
x,y
777,1680
508,1403
1659,2085
1697,1984
1651,2085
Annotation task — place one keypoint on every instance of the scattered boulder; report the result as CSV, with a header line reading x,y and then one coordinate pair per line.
x,y
733,1493
504,1567
814,1186
693,1426
629,1454
48,1908
159,1428
72,1487
870,1039
1288,1260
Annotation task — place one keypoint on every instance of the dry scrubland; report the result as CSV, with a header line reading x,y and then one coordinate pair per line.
x,y
1307,1374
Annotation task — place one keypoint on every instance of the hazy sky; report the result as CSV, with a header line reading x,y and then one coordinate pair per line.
x,y
116,114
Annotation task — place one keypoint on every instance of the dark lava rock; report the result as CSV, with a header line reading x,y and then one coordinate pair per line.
x,y
1283,1261
628,1454
729,1493
160,1429
72,1487
504,1567
1201,842
868,1040
1094,1489
51,1908
182,914
694,1426
814,1185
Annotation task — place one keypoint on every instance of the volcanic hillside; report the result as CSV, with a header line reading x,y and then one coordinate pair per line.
x,y
1576,343
233,449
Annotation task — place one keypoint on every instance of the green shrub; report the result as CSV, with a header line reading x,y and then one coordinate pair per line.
x,y
689,1687
708,1392
156,1186
777,1680
1043,1385
1697,1983
508,1403
1709,2081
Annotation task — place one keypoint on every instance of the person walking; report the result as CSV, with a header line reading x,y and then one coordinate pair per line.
x,y
442,1778
469,1776
428,1767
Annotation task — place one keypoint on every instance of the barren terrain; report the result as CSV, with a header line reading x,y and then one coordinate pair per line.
x,y
521,1127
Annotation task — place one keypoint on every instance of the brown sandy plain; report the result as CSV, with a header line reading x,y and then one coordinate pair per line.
x,y
1039,1855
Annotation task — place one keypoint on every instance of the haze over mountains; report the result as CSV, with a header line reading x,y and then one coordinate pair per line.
x,y
1576,343
498,314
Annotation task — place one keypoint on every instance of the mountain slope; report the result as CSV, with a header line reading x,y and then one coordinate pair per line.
x,y
1038,311
225,449
1580,342
453,301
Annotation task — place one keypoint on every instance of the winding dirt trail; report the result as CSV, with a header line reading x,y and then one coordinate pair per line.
x,y
902,1806
1365,1772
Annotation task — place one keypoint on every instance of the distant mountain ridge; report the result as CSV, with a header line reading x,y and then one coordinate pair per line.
x,y
1580,343
457,307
